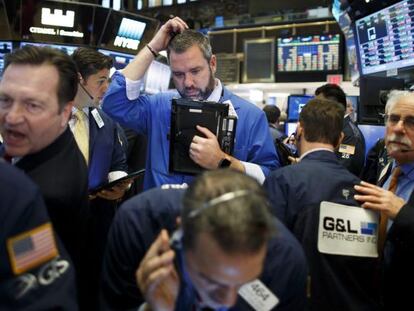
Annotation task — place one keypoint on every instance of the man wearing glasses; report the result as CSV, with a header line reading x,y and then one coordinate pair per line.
x,y
397,181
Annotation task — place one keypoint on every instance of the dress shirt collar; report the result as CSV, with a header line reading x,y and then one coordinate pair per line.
x,y
314,150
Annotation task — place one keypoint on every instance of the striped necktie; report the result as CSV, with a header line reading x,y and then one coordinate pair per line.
x,y
80,131
383,217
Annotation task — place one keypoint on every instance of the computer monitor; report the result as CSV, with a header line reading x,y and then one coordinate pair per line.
x,y
385,39
372,133
295,105
259,58
68,49
57,21
124,32
308,58
5,48
290,128
372,96
120,59
346,26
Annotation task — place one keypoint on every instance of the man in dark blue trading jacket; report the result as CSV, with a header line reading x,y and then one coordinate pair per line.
x,y
45,281
351,152
213,254
336,282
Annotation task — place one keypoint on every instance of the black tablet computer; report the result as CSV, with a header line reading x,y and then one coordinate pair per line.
x,y
130,177
186,114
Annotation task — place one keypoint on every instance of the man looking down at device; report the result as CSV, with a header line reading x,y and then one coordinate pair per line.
x,y
193,66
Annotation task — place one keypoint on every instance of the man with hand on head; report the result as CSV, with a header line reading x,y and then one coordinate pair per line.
x,y
193,67
395,201
228,252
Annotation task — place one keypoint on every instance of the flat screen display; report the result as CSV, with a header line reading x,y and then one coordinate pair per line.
x,y
308,58
124,32
345,23
385,38
290,128
120,59
68,49
5,48
259,56
295,105
61,22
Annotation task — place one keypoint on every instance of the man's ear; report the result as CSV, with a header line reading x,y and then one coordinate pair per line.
x,y
341,137
81,79
299,131
178,221
213,64
66,113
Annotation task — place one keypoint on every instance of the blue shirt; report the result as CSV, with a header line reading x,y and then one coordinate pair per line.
x,y
405,185
150,115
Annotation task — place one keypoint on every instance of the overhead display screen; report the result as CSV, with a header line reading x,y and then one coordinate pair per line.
x,y
61,22
309,53
385,38
124,32
309,58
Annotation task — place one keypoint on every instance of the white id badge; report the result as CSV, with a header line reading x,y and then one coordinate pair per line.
x,y
258,296
347,230
97,118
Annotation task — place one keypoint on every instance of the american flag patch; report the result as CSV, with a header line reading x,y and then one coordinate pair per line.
x,y
31,248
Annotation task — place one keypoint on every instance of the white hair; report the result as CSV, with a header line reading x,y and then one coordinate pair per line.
x,y
394,97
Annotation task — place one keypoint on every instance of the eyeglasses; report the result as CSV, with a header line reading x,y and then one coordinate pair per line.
x,y
393,119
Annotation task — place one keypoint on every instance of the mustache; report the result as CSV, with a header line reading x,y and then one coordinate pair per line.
x,y
402,139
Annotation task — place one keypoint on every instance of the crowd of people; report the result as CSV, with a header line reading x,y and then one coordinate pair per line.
x,y
331,231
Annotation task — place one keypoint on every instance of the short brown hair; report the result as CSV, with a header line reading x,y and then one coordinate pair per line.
x,y
240,225
322,121
35,55
186,39
89,61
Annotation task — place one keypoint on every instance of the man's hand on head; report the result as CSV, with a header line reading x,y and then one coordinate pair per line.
x,y
163,36
157,277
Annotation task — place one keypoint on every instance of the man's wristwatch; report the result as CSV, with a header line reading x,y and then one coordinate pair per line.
x,y
225,162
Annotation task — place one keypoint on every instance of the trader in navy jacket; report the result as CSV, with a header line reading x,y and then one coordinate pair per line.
x,y
227,238
101,144
33,275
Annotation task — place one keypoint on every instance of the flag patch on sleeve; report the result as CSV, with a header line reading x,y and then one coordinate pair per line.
x,y
31,248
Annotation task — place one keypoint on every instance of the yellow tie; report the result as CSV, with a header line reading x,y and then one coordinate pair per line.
x,y
383,218
80,132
